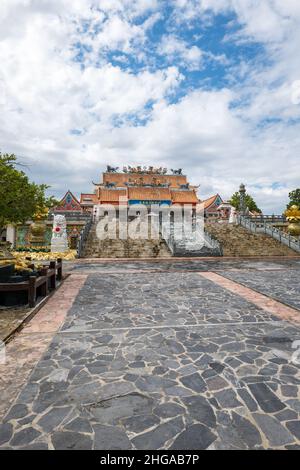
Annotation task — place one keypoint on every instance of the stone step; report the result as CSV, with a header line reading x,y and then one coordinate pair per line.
x,y
237,241
129,248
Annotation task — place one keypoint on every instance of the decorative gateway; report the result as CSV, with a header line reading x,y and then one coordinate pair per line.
x,y
59,241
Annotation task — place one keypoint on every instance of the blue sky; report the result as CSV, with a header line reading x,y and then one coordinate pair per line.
x,y
210,86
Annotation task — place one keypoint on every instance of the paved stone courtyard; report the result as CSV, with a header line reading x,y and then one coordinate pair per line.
x,y
159,355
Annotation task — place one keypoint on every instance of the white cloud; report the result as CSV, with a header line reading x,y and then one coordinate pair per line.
x,y
45,94
295,95
173,48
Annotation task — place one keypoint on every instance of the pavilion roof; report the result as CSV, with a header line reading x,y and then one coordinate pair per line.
x,y
111,195
136,179
154,194
188,197
86,198
210,201
68,203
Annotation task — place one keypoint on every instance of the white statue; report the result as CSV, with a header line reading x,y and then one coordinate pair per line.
x,y
59,240
232,216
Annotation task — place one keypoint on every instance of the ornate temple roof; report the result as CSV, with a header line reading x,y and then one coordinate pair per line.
x,y
88,198
68,203
213,200
143,184
149,194
111,195
187,197
142,179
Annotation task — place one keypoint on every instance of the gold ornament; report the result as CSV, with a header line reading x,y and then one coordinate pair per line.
x,y
37,232
69,255
293,217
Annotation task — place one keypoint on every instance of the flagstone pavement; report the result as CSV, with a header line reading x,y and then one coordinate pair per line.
x,y
198,354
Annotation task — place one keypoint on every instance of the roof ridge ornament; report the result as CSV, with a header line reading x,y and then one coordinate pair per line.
x,y
148,170
112,169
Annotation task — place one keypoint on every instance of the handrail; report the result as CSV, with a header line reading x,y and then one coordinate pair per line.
x,y
195,241
269,229
266,217
213,242
83,237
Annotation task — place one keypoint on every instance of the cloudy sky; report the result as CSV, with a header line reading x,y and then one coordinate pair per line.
x,y
210,86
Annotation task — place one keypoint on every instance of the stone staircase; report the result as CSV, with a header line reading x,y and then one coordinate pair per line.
x,y
129,248
237,241
195,243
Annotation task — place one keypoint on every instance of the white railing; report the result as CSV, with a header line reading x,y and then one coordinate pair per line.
x,y
269,229
196,242
267,218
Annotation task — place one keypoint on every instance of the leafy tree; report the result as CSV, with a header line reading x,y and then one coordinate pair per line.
x,y
20,199
249,202
294,198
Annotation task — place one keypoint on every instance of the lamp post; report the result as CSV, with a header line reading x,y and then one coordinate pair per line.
x,y
242,207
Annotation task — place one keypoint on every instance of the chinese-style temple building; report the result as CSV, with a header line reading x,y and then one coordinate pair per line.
x,y
130,186
141,185
211,206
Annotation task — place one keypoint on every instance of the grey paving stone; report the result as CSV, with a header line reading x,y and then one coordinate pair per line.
x,y
277,284
53,418
168,410
248,432
109,437
294,428
6,431
217,366
227,399
178,391
36,446
153,369
58,375
94,392
294,404
289,390
158,437
79,425
24,437
229,438
276,434
65,440
194,382
290,370
208,373
152,383
28,393
140,423
216,383
286,415
266,399
201,410
247,399
17,411
114,409
196,437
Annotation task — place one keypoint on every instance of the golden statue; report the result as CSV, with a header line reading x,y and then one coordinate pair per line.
x,y
293,217
38,227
